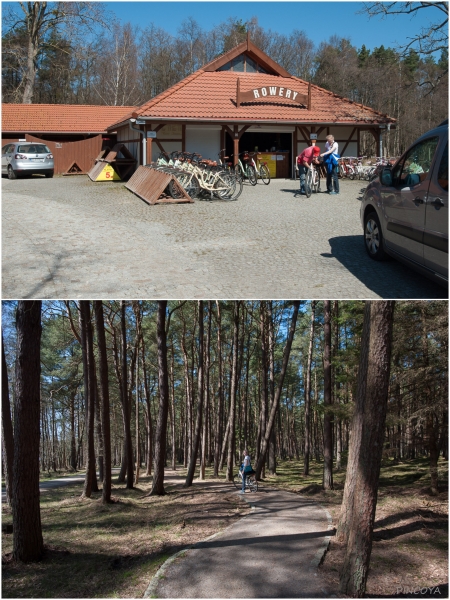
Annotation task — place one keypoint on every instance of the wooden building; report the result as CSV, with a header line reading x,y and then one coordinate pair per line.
x,y
243,100
73,132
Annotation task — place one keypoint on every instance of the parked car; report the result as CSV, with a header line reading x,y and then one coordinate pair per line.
x,y
404,211
20,158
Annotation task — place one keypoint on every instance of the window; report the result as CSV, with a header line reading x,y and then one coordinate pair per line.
x,y
414,168
242,63
33,149
443,170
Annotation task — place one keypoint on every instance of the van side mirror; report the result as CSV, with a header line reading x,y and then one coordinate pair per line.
x,y
386,177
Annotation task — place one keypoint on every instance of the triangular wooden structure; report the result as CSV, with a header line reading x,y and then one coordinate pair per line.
x,y
150,185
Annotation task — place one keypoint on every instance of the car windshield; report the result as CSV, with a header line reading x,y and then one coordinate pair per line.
x,y
33,149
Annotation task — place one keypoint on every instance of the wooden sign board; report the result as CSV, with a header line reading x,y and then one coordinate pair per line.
x,y
273,93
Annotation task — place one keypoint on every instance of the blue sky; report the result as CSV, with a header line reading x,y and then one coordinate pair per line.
x,y
319,20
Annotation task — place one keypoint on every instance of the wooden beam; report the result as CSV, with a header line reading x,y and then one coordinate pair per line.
x,y
347,142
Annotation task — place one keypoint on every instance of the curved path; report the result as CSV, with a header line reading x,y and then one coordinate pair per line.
x,y
273,552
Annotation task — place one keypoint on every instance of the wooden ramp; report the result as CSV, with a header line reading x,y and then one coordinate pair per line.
x,y
151,186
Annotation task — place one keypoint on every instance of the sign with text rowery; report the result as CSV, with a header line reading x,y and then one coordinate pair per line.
x,y
273,93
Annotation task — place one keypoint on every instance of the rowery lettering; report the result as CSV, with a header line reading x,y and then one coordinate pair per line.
x,y
275,91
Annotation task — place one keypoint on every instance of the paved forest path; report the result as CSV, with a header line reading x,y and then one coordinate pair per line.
x,y
273,552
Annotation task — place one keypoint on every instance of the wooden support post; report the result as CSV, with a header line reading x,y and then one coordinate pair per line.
x,y
235,145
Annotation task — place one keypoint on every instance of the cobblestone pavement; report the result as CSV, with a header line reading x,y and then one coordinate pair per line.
x,y
69,237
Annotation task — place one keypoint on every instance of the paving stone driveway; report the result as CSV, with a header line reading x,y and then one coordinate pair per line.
x,y
69,237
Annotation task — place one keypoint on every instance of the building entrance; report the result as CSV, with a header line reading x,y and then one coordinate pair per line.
x,y
277,145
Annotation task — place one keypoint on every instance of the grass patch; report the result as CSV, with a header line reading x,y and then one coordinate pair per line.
x,y
108,551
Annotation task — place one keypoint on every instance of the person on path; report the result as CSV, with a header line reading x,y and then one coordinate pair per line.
x,y
305,161
330,157
246,468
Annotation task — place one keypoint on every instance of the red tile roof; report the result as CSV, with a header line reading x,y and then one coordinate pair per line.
x,y
60,118
212,96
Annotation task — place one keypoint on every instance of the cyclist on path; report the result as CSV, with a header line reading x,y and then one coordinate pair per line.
x,y
246,467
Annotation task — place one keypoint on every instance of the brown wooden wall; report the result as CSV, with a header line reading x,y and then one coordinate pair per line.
x,y
83,152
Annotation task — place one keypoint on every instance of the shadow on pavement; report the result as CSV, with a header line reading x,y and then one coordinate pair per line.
x,y
380,276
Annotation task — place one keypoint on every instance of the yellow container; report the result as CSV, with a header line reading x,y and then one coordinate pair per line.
x,y
271,160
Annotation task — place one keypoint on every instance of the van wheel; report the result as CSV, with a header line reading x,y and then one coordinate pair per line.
x,y
49,174
11,173
373,237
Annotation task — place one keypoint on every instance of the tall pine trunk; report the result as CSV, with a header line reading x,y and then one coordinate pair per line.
x,y
104,399
327,419
308,394
28,544
163,381
198,422
366,446
7,430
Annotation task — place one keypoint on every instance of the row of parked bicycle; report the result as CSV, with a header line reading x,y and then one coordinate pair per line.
x,y
358,167
216,179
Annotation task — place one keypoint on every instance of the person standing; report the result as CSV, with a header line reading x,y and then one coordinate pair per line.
x,y
330,157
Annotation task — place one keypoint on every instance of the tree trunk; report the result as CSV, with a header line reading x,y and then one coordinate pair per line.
x,y
219,418
366,446
276,400
104,399
204,457
28,544
90,391
198,423
232,419
161,425
327,419
308,394
7,431
125,401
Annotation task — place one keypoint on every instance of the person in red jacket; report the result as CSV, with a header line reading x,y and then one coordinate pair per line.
x,y
305,160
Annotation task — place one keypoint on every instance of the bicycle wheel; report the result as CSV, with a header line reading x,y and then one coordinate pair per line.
x,y
264,174
225,185
238,172
237,190
308,190
252,484
251,174
192,187
237,481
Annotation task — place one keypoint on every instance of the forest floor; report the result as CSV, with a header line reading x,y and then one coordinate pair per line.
x,y
98,551
410,541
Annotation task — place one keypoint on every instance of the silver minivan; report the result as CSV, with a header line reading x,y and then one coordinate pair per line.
x,y
21,158
404,211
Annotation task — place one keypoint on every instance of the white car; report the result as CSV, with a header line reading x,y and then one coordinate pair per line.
x,y
27,158
404,211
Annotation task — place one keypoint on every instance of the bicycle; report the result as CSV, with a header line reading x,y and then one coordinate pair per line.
x,y
261,169
247,172
312,181
250,482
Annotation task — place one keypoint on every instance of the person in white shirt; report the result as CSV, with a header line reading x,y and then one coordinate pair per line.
x,y
331,147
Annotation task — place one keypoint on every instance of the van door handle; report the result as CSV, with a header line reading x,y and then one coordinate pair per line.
x,y
437,202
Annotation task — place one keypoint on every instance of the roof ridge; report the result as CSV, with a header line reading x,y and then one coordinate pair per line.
x,y
330,93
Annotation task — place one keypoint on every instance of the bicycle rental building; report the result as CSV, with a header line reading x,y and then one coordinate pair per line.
x,y
245,101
